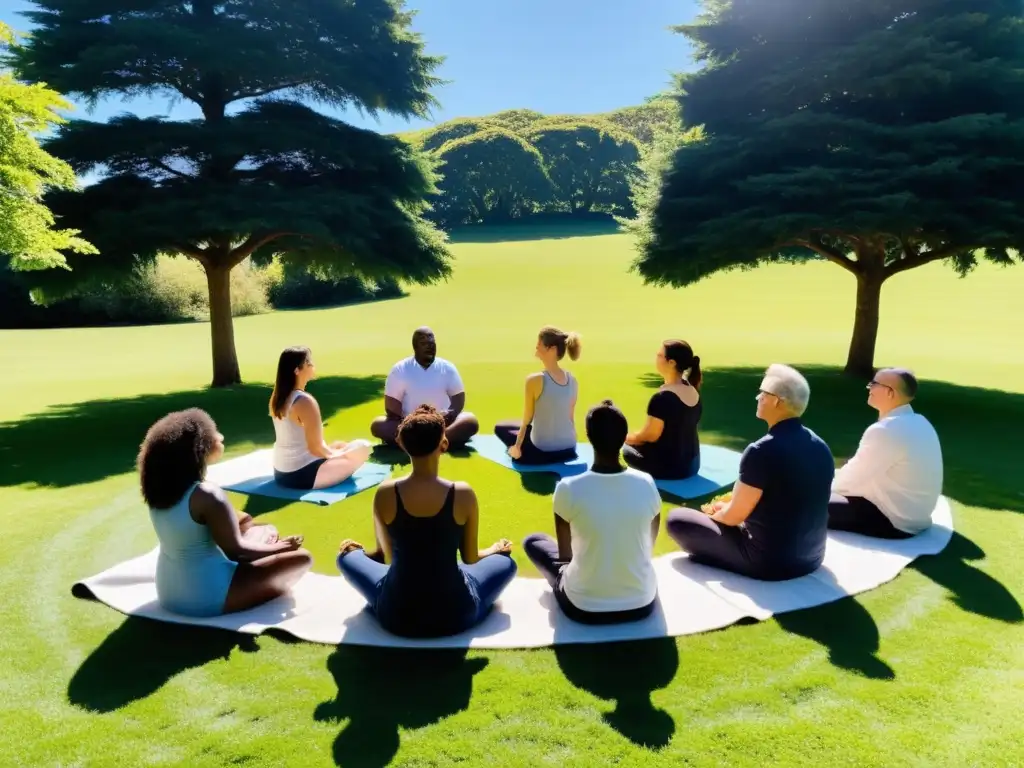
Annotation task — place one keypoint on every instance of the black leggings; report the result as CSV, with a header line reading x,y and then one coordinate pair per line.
x,y
658,469
858,515
727,547
508,431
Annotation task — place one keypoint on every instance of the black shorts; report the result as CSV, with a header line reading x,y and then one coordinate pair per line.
x,y
300,479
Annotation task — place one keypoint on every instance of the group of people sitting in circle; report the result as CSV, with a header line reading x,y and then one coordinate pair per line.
x,y
427,575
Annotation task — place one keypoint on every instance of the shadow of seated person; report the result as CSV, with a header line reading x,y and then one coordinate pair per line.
x,y
626,673
425,379
383,690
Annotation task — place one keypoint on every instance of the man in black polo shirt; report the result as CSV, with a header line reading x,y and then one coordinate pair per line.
x,y
774,525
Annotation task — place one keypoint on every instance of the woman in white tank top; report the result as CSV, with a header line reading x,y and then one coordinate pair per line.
x,y
302,458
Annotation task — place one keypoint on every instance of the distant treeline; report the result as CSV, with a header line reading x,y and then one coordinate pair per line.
x,y
519,163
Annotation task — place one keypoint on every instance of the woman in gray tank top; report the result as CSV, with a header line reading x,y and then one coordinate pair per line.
x,y
547,432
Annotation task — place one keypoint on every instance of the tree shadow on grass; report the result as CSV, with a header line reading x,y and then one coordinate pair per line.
x,y
142,655
99,438
383,689
626,673
982,456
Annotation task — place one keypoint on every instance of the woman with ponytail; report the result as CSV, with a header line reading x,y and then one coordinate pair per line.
x,y
667,447
302,459
547,432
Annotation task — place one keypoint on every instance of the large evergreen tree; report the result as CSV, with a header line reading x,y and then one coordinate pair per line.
x,y
29,238
260,171
880,135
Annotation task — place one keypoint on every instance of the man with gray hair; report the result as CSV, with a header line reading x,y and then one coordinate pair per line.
x,y
891,485
773,526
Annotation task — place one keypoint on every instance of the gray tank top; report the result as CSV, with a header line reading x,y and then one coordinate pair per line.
x,y
553,427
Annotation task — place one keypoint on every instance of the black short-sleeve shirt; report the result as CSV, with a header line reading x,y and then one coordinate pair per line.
x,y
794,468
672,454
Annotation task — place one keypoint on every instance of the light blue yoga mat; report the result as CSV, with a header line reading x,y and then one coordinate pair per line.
x,y
490,447
719,467
253,474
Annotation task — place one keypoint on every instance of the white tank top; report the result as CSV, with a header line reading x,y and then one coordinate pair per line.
x,y
290,450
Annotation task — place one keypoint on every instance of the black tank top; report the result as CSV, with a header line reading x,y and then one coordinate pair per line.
x,y
425,593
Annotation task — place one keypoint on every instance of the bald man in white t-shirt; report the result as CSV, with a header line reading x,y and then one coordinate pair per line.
x,y
425,379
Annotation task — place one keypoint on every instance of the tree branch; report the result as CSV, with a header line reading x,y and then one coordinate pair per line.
x,y
824,251
268,90
839,234
164,167
926,257
251,244
192,251
254,242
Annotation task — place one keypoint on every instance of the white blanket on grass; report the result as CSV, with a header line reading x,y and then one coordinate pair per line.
x,y
692,598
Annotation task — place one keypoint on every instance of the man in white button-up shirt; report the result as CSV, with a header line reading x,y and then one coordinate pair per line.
x,y
891,485
425,379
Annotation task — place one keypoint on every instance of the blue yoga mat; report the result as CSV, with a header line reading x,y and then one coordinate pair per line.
x,y
719,467
253,474
491,448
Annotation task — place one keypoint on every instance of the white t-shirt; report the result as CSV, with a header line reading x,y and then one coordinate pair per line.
x,y
610,519
414,385
898,468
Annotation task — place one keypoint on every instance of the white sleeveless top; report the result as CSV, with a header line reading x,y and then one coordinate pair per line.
x,y
290,450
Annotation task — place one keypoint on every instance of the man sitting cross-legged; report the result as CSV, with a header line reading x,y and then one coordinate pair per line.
x,y
606,520
425,379
891,485
775,524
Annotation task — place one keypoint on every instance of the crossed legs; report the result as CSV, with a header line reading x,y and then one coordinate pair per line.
x,y
459,432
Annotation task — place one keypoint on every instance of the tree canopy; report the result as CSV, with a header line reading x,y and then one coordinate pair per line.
x,y
590,163
491,175
29,237
261,171
587,164
879,136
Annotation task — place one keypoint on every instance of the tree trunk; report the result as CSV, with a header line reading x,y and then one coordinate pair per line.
x,y
222,329
861,359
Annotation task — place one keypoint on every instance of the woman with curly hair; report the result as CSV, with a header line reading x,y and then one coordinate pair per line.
x,y
213,560
302,458
423,522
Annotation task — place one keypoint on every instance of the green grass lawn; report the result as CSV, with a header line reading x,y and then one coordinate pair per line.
x,y
924,671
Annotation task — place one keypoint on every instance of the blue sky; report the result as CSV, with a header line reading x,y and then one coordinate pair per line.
x,y
549,55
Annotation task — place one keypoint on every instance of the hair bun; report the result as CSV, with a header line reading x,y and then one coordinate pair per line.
x,y
607,403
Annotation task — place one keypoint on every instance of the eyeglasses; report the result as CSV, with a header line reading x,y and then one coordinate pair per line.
x,y
872,384
770,394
